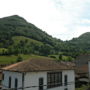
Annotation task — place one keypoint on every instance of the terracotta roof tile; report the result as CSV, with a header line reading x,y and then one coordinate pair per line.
x,y
37,64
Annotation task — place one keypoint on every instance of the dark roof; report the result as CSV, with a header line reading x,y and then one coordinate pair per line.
x,y
37,64
82,69
82,59
82,64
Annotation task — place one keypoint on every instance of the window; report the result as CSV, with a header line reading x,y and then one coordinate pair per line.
x,y
3,76
40,83
65,80
65,89
9,84
54,79
16,84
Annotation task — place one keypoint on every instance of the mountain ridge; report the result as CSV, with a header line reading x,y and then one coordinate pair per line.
x,y
15,26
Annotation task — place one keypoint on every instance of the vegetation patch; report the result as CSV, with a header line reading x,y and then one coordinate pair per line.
x,y
83,88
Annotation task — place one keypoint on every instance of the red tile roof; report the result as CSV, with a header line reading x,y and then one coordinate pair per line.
x,y
37,64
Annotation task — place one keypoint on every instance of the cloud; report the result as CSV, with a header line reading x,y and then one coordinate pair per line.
x,y
63,19
73,15
84,22
80,30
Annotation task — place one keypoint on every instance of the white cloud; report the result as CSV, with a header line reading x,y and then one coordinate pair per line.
x,y
81,29
84,21
60,18
72,16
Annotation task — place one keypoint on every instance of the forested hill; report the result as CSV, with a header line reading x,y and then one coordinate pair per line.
x,y
84,38
18,26
80,45
19,36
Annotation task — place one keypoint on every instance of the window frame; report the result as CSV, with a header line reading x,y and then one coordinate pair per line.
x,y
16,84
54,79
3,76
65,80
41,83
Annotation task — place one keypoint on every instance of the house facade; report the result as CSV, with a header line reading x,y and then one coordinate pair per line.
x,y
38,74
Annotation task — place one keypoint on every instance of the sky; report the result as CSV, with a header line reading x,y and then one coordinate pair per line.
x,y
63,19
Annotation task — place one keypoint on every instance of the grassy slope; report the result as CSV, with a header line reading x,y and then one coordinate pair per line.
x,y
17,39
13,58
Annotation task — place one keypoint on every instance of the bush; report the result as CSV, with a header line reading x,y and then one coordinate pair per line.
x,y
19,59
52,56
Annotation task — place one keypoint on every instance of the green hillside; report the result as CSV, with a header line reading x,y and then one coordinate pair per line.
x,y
17,26
19,36
82,42
80,45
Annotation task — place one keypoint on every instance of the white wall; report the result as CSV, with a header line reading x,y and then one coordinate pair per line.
x,y
32,79
13,76
71,79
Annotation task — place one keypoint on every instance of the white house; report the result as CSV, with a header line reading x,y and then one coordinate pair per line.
x,y
38,74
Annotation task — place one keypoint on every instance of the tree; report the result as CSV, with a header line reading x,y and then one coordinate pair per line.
x,y
19,59
60,57
69,58
46,49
